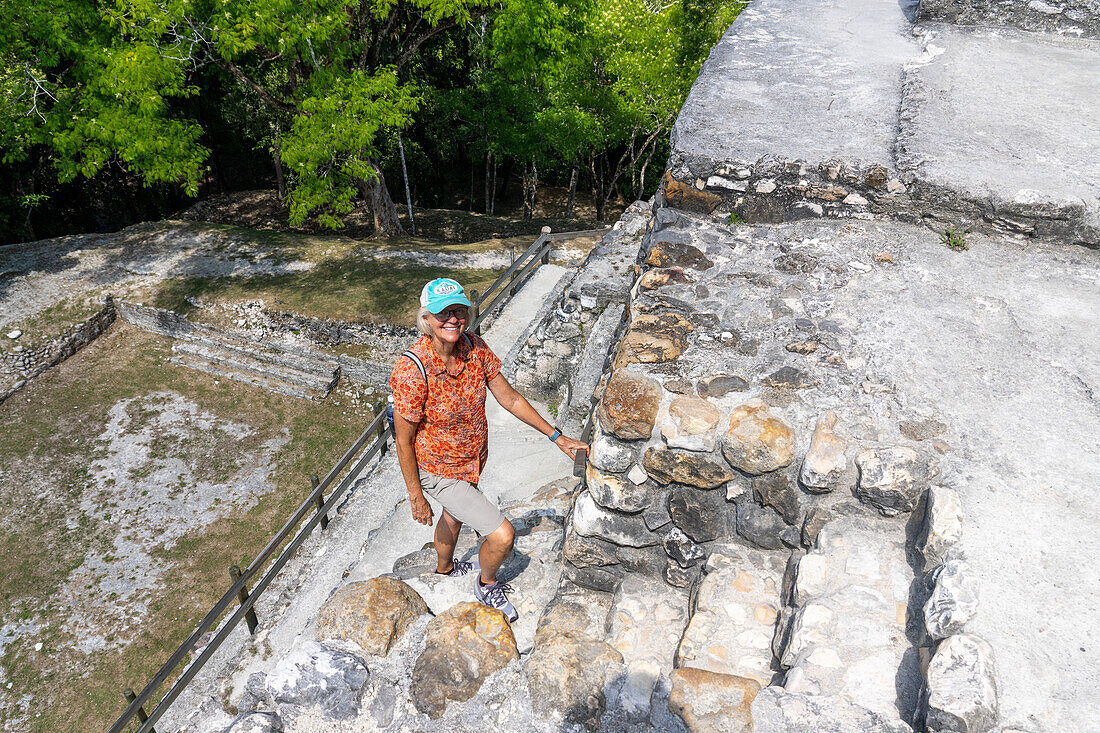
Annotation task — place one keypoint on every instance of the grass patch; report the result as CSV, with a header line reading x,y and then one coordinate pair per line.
x,y
44,476
347,289
955,240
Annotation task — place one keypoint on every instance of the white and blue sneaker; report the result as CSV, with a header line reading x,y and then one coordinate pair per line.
x,y
493,596
461,567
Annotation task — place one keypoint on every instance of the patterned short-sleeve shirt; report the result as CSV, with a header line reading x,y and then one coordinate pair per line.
x,y
452,436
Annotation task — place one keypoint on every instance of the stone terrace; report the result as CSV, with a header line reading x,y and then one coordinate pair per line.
x,y
840,108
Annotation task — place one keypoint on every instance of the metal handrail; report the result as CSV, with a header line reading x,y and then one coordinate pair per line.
x,y
132,710
513,277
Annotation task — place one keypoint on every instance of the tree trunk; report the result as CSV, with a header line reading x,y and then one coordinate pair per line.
x,y
530,189
488,182
280,180
571,204
641,178
386,221
597,187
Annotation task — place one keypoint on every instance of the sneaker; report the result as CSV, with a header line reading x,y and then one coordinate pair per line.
x,y
461,568
493,596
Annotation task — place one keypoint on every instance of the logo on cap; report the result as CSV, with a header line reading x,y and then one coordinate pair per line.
x,y
445,288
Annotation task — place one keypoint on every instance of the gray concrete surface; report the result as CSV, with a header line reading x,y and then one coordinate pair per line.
x,y
1008,120
999,342
807,80
1002,340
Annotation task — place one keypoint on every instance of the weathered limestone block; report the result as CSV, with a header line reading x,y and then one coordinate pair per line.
x,y
736,609
824,464
592,520
567,673
776,710
892,479
789,377
612,492
661,277
256,722
816,518
677,254
654,339
778,490
314,675
953,600
693,426
722,384
586,552
373,613
463,646
849,633
711,702
629,405
576,610
962,689
700,514
609,455
694,415
943,526
757,442
762,526
681,548
691,468
645,623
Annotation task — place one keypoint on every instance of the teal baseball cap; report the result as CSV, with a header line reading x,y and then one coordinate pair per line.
x,y
442,292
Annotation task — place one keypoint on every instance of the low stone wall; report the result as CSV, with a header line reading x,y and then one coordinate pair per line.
x,y
1070,17
564,351
29,363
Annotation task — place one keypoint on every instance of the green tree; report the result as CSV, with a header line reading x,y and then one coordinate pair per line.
x,y
95,87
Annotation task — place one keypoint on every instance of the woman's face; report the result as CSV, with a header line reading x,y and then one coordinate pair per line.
x,y
449,323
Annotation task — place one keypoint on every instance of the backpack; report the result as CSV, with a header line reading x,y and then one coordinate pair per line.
x,y
423,372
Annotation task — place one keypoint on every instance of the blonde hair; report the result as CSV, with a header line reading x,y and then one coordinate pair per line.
x,y
422,324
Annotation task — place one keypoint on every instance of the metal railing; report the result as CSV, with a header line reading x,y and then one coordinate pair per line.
x,y
317,508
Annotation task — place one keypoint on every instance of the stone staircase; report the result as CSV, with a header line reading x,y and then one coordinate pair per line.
x,y
260,365
795,385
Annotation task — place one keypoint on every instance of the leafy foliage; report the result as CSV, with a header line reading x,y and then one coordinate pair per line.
x,y
154,86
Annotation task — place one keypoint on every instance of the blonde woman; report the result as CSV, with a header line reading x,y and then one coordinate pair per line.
x,y
439,387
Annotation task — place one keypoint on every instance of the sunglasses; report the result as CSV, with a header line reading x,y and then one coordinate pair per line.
x,y
460,313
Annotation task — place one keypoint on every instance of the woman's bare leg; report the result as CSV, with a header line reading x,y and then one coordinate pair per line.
x,y
446,537
494,550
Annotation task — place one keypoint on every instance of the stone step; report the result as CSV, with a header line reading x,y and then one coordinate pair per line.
x,y
840,108
271,353
236,359
247,377
846,629
1073,18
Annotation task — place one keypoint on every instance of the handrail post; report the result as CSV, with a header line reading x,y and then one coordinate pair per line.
x,y
242,596
383,427
546,254
319,499
142,715
474,313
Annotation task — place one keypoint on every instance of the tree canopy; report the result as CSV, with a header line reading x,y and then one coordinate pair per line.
x,y
572,88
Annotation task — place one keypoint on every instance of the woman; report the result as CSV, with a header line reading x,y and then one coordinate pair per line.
x,y
443,440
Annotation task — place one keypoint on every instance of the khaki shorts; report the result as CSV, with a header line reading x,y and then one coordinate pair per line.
x,y
463,501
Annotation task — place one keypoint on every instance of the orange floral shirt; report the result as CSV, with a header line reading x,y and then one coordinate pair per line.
x,y
452,436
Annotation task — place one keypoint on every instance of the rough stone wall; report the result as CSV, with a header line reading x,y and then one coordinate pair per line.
x,y
29,363
171,324
1069,17
566,346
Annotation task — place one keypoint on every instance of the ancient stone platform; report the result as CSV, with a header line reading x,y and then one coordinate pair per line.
x,y
838,108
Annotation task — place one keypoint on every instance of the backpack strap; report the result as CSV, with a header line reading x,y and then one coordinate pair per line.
x,y
419,365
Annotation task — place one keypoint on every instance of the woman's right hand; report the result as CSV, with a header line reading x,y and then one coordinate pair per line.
x,y
421,509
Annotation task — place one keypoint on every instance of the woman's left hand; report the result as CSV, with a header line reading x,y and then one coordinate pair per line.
x,y
569,446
